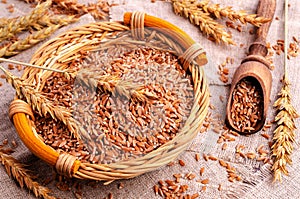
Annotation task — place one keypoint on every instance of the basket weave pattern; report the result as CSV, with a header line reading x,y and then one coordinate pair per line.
x,y
60,53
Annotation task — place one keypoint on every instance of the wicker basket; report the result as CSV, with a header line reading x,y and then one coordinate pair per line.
x,y
53,54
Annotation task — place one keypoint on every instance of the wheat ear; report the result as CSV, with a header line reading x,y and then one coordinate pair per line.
x,y
43,105
31,40
284,134
44,21
242,16
189,10
21,23
114,85
49,20
20,174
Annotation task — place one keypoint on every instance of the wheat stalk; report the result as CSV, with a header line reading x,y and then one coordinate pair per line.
x,y
45,20
284,134
45,106
50,20
20,174
114,85
105,83
62,20
242,16
28,42
189,10
31,40
5,21
14,26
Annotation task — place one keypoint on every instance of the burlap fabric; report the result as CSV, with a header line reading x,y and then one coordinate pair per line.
x,y
257,179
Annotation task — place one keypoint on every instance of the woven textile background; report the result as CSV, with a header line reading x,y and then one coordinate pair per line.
x,y
257,179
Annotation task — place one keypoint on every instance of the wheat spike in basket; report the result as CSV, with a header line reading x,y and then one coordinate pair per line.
x,y
58,53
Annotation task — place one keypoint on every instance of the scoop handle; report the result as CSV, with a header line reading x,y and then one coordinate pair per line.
x,y
266,9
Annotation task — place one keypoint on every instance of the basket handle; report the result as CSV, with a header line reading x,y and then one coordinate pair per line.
x,y
18,111
185,41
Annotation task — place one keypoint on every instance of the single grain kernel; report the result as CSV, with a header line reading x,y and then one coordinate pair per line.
x,y
205,181
197,157
181,162
202,171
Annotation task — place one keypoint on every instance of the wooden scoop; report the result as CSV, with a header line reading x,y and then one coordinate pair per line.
x,y
255,67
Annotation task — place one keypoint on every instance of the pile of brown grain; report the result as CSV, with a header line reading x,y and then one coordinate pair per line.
x,y
120,128
247,105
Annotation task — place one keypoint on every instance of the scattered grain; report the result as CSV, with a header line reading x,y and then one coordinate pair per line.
x,y
14,144
220,140
251,155
267,136
251,31
223,70
195,195
181,162
220,187
197,157
19,67
213,158
234,133
11,67
238,178
205,181
171,164
202,169
231,179
190,176
205,157
224,146
11,8
221,97
223,163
